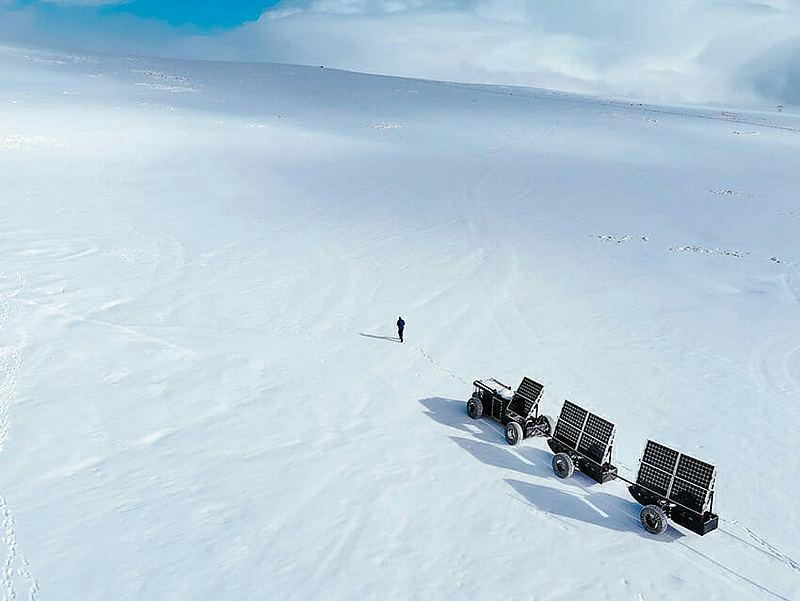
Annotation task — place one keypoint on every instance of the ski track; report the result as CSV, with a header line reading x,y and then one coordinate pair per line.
x,y
50,309
496,253
10,364
779,363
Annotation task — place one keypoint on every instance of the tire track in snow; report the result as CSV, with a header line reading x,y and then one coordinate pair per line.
x,y
763,550
731,572
760,544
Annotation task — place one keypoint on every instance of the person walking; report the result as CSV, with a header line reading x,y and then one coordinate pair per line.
x,y
401,325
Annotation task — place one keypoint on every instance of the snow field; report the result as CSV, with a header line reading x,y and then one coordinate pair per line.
x,y
200,394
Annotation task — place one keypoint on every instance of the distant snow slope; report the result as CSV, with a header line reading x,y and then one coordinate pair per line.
x,y
201,395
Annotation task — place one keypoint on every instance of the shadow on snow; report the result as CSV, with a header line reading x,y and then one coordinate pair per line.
x,y
392,338
486,443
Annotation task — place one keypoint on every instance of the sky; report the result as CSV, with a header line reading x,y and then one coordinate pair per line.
x,y
205,14
719,52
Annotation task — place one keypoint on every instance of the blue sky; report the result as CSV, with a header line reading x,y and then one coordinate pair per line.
x,y
202,13
205,14
722,52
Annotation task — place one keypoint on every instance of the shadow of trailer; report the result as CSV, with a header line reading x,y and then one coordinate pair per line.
x,y
517,411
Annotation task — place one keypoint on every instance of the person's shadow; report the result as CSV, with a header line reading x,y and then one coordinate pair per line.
x,y
392,338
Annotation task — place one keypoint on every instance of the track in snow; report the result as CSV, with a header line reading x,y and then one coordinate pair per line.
x,y
15,565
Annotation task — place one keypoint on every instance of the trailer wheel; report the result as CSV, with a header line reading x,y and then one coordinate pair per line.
x,y
513,433
474,407
563,466
653,519
546,425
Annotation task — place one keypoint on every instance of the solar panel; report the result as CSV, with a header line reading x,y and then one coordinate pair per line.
x,y
695,471
654,479
573,415
530,390
693,497
567,434
599,428
587,433
660,456
526,397
677,477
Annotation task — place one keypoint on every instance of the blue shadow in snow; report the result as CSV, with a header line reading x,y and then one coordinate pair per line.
x,y
597,508
392,338
453,413
494,455
486,443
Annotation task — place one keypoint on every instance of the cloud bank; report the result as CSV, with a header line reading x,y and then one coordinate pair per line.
x,y
676,51
696,51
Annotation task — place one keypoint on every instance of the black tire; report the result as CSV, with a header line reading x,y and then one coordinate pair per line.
x,y
474,408
563,467
653,519
514,433
545,425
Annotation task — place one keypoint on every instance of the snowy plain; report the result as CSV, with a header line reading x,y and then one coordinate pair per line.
x,y
201,394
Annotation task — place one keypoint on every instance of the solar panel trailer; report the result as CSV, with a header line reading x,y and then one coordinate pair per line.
x,y
584,440
517,411
672,485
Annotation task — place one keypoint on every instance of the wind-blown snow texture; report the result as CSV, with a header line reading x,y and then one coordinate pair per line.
x,y
200,391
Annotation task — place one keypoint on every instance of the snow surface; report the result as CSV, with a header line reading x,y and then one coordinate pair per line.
x,y
201,393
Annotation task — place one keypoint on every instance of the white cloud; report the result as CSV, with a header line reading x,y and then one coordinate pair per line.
x,y
690,51
679,51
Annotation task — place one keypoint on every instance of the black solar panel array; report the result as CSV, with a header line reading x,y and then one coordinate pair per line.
x,y
654,479
659,456
695,471
526,397
596,437
675,476
585,432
